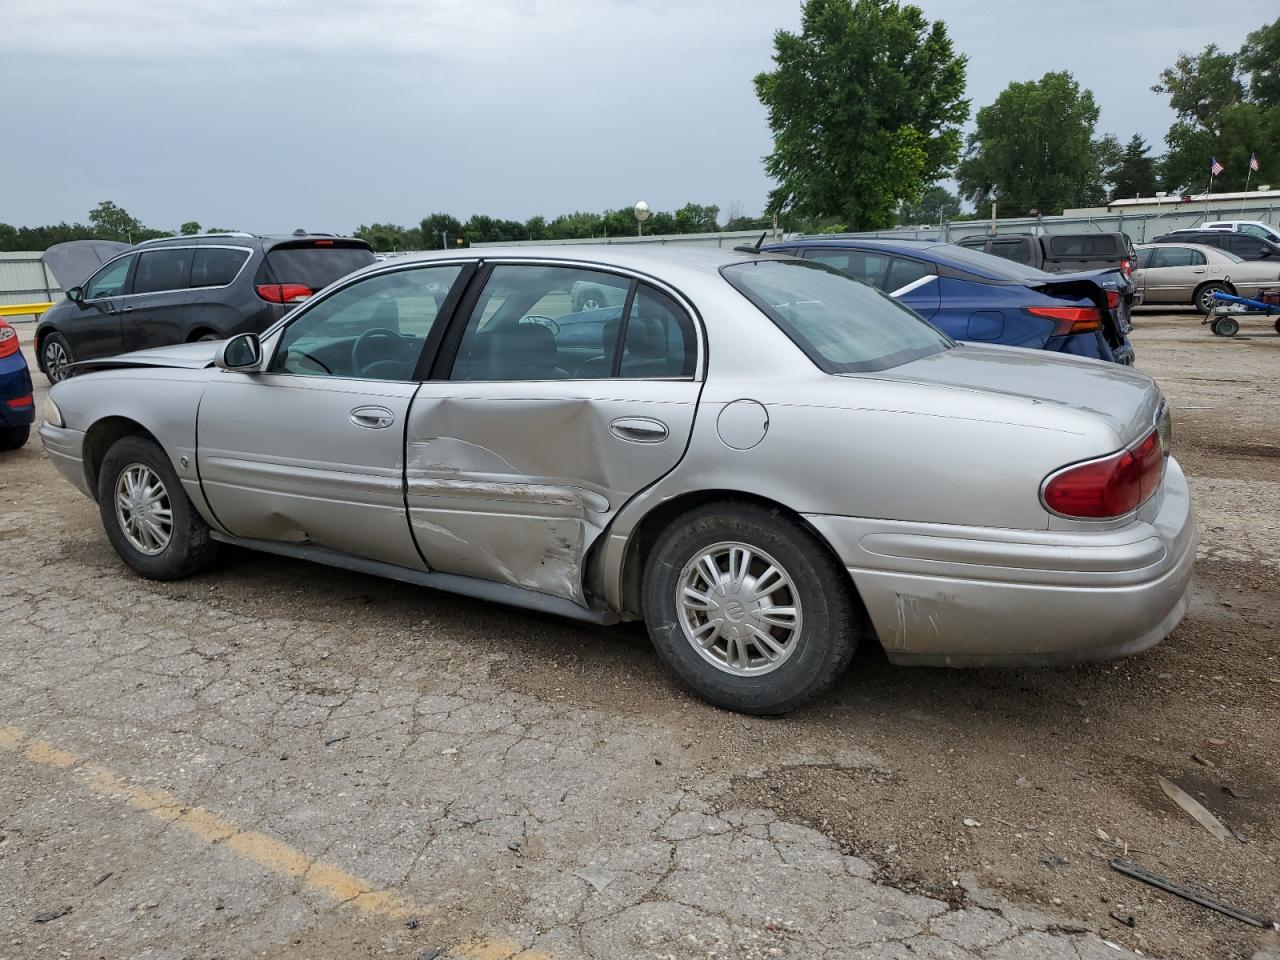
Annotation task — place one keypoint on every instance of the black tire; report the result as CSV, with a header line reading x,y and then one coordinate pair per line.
x,y
55,354
1277,325
1203,298
190,548
11,438
829,618
1226,326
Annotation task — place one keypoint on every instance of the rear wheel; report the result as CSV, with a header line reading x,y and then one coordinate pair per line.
x,y
1204,300
147,515
55,357
748,609
11,438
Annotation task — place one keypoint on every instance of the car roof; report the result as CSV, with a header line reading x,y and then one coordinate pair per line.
x,y
1213,251
930,250
700,259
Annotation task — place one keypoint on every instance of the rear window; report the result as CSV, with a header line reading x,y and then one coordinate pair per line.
x,y
315,264
1085,246
842,325
985,264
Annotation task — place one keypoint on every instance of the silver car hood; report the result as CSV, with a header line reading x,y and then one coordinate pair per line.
x,y
187,356
1126,400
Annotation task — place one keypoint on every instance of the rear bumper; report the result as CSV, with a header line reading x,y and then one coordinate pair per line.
x,y
66,449
962,596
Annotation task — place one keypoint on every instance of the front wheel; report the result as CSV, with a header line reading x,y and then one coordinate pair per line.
x,y
1226,326
748,608
1205,301
55,357
147,515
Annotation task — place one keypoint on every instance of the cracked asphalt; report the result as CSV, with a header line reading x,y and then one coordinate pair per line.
x,y
283,760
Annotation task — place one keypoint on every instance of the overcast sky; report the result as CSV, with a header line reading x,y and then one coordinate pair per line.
x,y
326,114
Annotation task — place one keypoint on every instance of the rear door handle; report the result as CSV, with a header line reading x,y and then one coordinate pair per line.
x,y
375,418
639,430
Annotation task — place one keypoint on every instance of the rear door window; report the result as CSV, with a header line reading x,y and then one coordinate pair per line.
x,y
659,341
1244,246
1177,257
903,273
216,266
314,263
1019,251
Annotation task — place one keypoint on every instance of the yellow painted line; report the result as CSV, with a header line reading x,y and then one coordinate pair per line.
x,y
269,853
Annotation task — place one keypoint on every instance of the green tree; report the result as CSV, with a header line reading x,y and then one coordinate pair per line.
x,y
1228,108
190,228
696,218
865,105
1135,176
936,203
1034,149
110,222
436,227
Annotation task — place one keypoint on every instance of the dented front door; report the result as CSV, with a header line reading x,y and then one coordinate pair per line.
x,y
559,408
513,482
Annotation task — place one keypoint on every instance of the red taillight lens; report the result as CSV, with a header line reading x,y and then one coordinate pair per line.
x,y
324,243
1070,319
1127,267
8,340
1110,487
1113,299
283,292
19,403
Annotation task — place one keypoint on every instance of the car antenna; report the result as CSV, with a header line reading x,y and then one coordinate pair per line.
x,y
752,248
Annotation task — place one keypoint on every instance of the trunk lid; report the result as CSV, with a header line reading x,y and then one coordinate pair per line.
x,y
1094,285
1126,400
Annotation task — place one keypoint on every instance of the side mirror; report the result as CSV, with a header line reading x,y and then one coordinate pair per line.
x,y
242,352
76,294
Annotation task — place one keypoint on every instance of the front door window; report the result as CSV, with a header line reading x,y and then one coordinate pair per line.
x,y
110,280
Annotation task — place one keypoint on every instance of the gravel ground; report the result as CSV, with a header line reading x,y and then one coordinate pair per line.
x,y
293,761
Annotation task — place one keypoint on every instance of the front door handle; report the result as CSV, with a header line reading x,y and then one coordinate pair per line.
x,y
639,430
375,418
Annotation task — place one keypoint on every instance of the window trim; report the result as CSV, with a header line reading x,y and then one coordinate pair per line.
x,y
135,252
128,276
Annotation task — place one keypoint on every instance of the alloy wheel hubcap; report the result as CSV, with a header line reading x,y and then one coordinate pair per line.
x,y
739,609
143,509
55,360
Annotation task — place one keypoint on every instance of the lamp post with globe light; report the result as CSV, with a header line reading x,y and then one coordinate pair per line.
x,y
642,214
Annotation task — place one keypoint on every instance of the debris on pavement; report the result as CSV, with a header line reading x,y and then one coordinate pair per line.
x,y
1203,761
1235,792
1053,860
970,822
104,878
1131,869
1195,808
49,915
330,743
1123,918
596,876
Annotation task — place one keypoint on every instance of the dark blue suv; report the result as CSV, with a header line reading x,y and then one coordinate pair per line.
x,y
975,296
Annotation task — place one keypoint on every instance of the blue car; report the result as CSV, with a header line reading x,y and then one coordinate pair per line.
x,y
975,296
17,405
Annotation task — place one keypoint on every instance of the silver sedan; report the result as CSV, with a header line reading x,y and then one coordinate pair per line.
x,y
763,459
1190,274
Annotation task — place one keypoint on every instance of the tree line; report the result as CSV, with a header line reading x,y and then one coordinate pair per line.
x,y
867,101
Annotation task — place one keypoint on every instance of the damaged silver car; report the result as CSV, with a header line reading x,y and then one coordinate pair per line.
x,y
762,458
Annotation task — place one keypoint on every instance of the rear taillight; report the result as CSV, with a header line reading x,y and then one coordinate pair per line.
x,y
1113,300
1109,487
8,340
1070,319
283,292
20,403
1127,267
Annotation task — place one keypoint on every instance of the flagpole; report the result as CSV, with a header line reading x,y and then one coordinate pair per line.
x,y
1245,199
1206,196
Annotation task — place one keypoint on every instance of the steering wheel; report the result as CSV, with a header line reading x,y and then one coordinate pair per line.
x,y
542,321
365,340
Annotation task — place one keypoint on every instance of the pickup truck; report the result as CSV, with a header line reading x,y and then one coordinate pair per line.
x,y
1062,252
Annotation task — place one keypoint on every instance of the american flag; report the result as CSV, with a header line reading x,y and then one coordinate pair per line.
x,y
1215,167
1253,162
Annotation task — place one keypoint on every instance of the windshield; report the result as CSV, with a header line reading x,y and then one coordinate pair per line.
x,y
842,324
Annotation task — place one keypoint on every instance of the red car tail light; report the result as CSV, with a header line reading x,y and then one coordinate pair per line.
x,y
20,403
1108,487
283,292
1113,299
1127,267
8,340
1070,319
